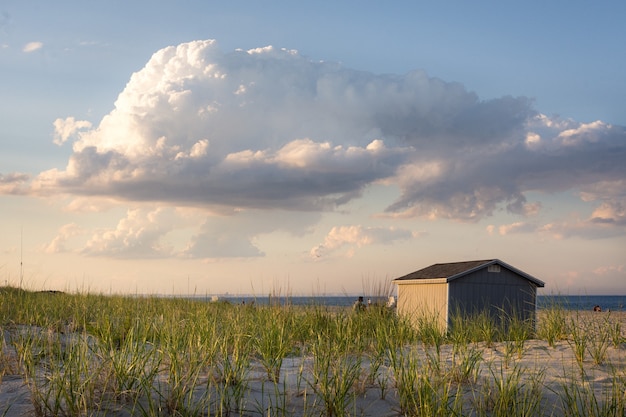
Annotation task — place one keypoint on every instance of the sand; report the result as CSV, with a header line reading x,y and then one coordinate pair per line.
x,y
555,367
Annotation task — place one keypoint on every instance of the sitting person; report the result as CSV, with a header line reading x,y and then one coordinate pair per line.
x,y
359,305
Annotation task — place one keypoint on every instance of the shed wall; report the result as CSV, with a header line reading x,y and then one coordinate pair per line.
x,y
494,292
418,301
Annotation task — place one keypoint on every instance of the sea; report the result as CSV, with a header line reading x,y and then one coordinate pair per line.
x,y
583,302
567,302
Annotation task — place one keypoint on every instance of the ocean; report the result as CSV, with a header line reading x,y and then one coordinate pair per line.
x,y
583,302
567,302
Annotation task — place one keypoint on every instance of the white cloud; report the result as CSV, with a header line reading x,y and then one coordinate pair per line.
x,y
68,127
533,140
584,132
599,189
58,244
13,183
575,226
517,227
139,235
613,212
478,180
609,269
269,129
32,47
357,236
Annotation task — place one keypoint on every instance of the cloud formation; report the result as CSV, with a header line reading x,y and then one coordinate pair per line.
x,y
473,181
32,47
65,233
66,128
141,234
270,129
357,236
13,183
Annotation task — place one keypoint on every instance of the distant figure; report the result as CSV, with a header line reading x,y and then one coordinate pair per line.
x,y
391,302
597,308
369,302
359,305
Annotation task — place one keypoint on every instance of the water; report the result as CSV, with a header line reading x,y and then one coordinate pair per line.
x,y
583,302
567,302
328,301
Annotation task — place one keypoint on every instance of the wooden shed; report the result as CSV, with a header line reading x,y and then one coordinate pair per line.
x,y
471,287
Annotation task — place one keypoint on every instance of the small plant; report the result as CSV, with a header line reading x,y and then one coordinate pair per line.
x,y
379,371
233,364
598,346
73,378
579,340
8,362
580,399
274,343
335,372
507,394
614,329
133,362
75,382
420,393
460,332
517,331
488,328
477,327
466,362
552,325
430,331
184,359
276,401
406,372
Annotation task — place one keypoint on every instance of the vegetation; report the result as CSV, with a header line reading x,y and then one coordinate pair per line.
x,y
86,354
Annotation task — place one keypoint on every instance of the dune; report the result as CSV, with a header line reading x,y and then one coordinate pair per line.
x,y
580,372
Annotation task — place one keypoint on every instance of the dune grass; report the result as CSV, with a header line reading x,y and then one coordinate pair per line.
x,y
86,354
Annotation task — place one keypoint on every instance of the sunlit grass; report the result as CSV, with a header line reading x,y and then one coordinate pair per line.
x,y
86,354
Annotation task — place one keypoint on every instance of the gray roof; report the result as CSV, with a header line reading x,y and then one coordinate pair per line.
x,y
453,270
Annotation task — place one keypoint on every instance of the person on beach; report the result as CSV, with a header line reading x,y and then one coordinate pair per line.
x,y
359,305
597,308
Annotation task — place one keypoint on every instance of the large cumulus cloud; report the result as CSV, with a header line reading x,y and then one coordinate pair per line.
x,y
269,128
261,128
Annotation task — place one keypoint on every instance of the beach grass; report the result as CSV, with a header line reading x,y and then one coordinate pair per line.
x,y
87,354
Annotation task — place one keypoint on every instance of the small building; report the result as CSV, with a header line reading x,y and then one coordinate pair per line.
x,y
467,288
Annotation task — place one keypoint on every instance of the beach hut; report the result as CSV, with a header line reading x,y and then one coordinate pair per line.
x,y
467,288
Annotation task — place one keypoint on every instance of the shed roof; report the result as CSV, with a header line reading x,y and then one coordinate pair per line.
x,y
453,270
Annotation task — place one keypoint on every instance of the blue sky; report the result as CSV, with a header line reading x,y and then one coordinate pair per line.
x,y
246,147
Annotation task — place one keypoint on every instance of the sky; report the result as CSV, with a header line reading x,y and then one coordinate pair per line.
x,y
245,147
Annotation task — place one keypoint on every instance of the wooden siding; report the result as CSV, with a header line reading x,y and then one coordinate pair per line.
x,y
424,300
494,292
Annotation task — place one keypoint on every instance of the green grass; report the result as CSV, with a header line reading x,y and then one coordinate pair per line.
x,y
87,354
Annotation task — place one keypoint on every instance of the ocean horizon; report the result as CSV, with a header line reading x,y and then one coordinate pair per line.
x,y
567,302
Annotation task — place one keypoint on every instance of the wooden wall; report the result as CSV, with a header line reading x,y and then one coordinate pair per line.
x,y
424,300
499,293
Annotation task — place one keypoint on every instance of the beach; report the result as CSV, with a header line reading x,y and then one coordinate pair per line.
x,y
574,365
